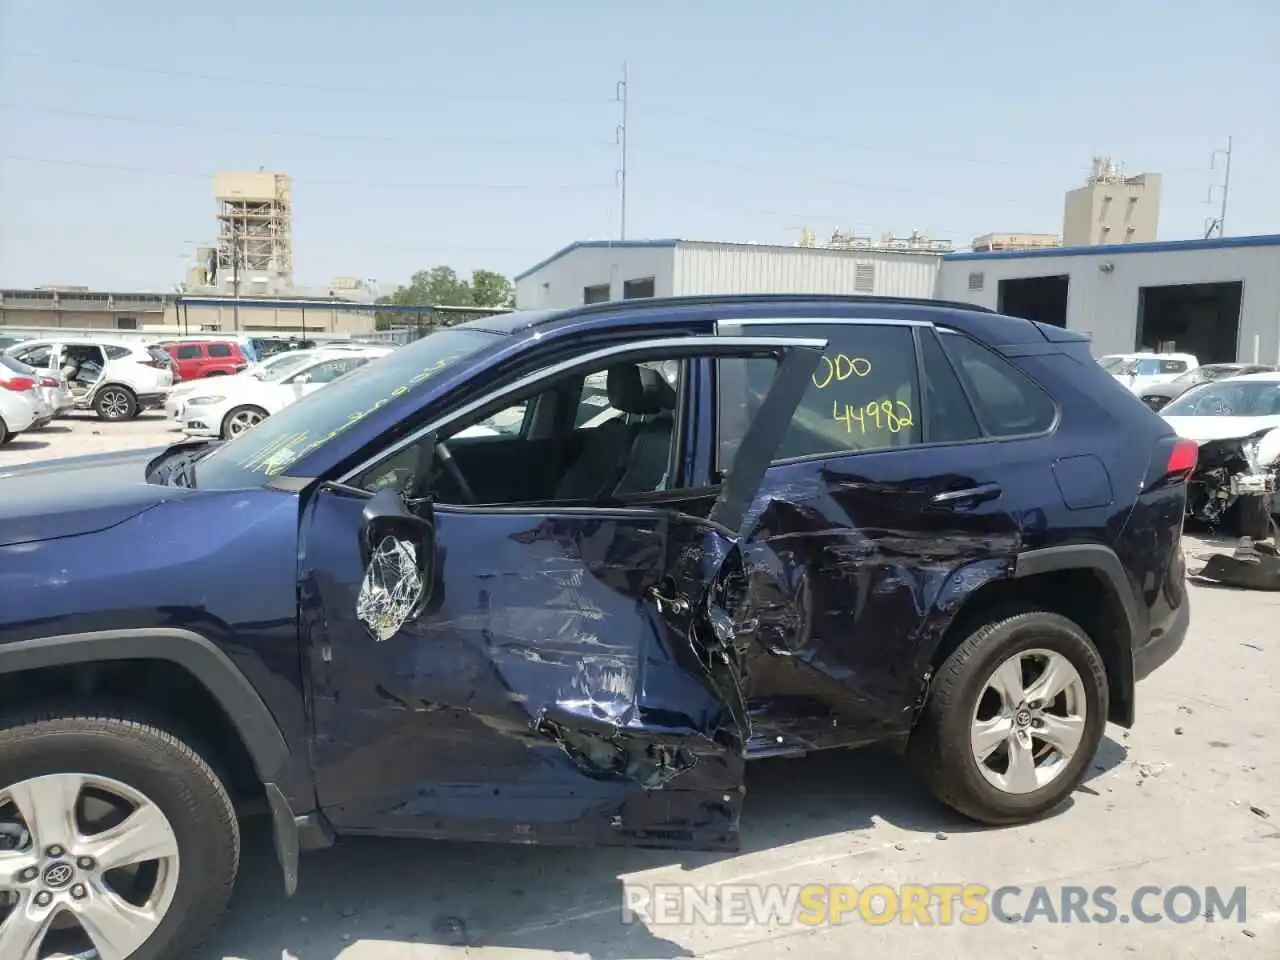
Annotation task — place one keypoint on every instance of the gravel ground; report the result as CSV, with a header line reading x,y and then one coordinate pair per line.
x,y
1190,797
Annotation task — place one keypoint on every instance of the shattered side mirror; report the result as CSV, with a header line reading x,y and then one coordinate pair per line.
x,y
398,548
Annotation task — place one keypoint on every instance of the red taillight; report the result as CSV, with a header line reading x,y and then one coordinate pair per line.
x,y
1183,457
18,384
48,382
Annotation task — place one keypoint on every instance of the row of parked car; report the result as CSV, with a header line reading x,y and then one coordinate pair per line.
x,y
41,379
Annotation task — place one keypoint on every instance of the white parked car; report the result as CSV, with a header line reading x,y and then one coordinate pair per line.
x,y
1137,371
21,406
275,365
115,380
55,395
228,406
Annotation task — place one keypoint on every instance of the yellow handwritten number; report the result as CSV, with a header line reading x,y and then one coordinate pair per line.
x,y
891,415
840,368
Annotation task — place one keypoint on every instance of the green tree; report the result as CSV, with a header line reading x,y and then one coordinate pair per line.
x,y
442,287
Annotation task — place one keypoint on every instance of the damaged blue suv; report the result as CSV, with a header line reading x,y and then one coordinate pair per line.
x,y
555,577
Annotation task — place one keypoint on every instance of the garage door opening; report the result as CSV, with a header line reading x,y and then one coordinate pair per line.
x,y
1198,318
1043,299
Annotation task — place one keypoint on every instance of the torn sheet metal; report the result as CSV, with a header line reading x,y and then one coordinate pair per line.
x,y
1253,565
1231,472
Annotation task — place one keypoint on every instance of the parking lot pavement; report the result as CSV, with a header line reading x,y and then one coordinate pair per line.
x,y
1191,797
83,433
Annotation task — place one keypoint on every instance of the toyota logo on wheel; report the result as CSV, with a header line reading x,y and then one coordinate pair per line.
x,y
58,875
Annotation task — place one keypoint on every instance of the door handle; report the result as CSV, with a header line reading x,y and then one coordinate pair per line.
x,y
677,605
970,495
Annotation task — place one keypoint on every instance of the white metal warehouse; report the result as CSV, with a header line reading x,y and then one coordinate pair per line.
x,y
1218,299
599,270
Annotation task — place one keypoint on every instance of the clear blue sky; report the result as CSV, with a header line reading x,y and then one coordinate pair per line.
x,y
482,134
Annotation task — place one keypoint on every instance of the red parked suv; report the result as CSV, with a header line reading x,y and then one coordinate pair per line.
x,y
206,358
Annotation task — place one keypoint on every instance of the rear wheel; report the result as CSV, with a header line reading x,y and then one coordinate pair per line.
x,y
1014,718
5,435
117,840
115,403
241,419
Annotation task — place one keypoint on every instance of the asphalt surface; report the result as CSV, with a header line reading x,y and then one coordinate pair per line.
x,y
1190,797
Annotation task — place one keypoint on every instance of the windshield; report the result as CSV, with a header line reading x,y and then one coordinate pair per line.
x,y
1113,364
282,364
279,441
1242,398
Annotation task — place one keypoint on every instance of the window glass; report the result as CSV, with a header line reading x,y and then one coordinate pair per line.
x,y
1173,366
219,350
331,370
1230,398
35,356
949,418
189,352
117,353
863,395
1009,403
594,407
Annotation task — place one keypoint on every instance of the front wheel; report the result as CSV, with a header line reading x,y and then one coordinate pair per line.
x,y
1014,718
241,419
115,403
117,840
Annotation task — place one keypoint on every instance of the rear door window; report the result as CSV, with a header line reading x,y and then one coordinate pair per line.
x,y
1007,402
219,350
865,394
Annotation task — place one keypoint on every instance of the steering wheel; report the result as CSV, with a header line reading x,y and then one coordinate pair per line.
x,y
455,472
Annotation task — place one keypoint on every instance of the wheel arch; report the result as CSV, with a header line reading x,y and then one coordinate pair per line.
x,y
209,666
1085,583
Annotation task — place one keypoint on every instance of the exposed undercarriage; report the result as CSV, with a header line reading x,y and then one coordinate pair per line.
x,y
1234,486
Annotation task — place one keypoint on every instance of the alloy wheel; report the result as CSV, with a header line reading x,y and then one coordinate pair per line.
x,y
88,868
1029,721
242,420
115,405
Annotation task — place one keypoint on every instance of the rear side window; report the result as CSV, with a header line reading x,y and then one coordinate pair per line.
x,y
117,353
863,396
1007,402
189,351
948,416
35,356
219,350
1173,366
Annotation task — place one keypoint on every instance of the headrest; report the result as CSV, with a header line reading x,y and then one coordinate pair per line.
x,y
639,390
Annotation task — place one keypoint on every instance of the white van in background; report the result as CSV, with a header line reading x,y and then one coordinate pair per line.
x,y
1137,371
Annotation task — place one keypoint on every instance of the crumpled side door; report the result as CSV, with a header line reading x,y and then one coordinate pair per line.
x,y
553,674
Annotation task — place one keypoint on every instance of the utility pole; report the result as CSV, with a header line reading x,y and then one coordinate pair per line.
x,y
235,276
1220,223
620,95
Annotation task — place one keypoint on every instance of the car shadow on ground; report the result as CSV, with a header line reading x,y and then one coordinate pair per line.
x,y
403,892
24,442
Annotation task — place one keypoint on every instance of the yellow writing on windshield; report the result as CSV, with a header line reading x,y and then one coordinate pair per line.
x,y
839,368
893,416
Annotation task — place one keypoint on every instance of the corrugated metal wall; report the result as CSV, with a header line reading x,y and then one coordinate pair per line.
x,y
1104,303
717,268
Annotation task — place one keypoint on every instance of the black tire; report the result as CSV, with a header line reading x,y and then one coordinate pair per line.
x,y
940,747
5,435
115,403
167,772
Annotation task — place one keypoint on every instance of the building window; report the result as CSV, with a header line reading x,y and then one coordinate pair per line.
x,y
975,281
638,289
596,294
864,278
126,323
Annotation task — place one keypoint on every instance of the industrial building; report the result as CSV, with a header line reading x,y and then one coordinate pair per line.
x,y
1217,298
1112,207
596,271
80,309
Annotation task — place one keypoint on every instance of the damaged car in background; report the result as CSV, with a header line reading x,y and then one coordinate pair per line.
x,y
1236,423
558,577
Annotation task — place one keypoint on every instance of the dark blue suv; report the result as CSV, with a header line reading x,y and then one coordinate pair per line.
x,y
555,577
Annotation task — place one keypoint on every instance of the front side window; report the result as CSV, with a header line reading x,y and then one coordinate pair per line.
x,y
864,395
1228,399
281,440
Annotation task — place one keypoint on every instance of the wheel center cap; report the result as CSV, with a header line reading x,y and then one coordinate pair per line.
x,y
58,875
1022,717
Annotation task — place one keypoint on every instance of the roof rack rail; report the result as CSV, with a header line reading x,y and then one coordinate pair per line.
x,y
747,298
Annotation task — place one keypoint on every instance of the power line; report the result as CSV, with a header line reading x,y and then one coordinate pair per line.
x,y
362,184
257,81
309,134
